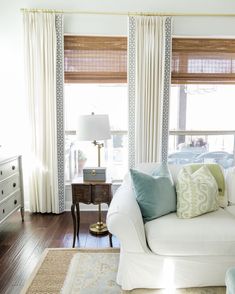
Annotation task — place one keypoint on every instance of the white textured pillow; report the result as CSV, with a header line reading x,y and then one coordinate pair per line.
x,y
197,193
230,180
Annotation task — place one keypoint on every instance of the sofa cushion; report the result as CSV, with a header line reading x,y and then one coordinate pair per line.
x,y
197,192
149,168
155,194
210,234
230,209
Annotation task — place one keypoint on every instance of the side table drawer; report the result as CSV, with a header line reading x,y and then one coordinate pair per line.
x,y
81,193
101,194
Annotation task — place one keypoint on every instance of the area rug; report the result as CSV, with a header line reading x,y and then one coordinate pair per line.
x,y
90,271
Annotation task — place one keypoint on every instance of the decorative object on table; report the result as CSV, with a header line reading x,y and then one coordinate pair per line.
x,y
96,174
81,161
95,127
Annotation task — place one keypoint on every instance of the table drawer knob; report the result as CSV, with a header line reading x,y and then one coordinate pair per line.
x,y
13,167
15,201
2,192
3,211
1,172
14,185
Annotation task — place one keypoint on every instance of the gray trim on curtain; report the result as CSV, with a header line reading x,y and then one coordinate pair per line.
x,y
59,23
131,91
166,94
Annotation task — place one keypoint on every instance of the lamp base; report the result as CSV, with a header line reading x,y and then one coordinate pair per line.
x,y
98,228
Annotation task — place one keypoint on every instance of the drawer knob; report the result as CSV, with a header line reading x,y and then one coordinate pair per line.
x,y
15,201
1,172
3,211
2,192
13,167
14,185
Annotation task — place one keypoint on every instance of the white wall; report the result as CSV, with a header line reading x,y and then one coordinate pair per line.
x,y
12,95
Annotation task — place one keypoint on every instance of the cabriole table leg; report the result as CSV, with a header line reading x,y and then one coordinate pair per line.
x,y
74,223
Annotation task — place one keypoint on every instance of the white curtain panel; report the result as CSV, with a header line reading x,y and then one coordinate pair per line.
x,y
40,57
149,82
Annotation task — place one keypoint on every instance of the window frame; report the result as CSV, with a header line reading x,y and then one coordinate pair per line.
x,y
116,47
186,47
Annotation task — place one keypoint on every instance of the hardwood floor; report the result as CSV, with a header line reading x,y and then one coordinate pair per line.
x,y
21,244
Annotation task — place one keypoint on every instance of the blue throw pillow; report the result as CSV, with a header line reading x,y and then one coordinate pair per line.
x,y
155,194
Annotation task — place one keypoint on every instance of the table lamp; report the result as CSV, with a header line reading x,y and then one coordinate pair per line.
x,y
95,127
92,128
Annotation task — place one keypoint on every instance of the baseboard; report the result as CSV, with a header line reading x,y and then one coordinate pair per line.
x,y
26,205
85,207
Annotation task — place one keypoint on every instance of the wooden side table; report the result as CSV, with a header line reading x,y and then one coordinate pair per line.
x,y
88,193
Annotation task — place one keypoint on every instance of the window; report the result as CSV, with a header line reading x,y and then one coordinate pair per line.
x,y
202,101
96,81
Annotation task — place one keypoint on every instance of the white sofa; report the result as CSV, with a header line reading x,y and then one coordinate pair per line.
x,y
169,252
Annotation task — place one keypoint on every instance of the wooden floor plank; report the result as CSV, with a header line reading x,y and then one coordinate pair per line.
x,y
21,244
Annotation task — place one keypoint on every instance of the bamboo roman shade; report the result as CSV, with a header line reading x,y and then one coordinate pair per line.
x,y
103,59
203,61
95,59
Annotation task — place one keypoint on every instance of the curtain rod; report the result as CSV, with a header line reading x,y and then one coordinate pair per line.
x,y
125,13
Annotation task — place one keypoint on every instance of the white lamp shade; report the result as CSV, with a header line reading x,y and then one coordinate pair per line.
x,y
93,127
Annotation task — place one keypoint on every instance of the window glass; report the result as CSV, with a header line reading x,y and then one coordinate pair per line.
x,y
207,111
207,107
108,99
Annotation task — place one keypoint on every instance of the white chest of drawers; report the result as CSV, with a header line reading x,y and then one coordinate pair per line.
x,y
11,187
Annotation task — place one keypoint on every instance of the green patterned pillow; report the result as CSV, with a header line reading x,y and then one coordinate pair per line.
x,y
197,192
217,173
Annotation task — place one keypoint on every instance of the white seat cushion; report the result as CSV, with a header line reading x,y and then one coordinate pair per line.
x,y
209,234
230,209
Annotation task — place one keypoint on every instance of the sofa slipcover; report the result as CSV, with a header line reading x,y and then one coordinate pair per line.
x,y
140,267
209,234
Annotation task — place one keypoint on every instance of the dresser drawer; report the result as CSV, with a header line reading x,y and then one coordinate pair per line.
x,y
16,200
9,186
9,168
81,193
101,194
6,207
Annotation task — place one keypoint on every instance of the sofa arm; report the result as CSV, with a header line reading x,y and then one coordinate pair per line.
x,y
124,220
